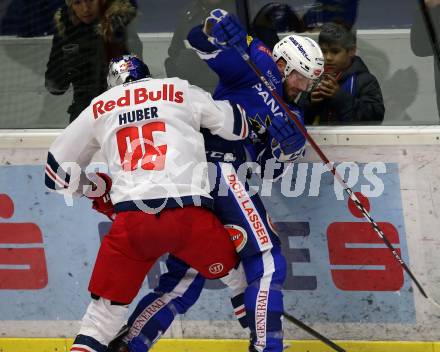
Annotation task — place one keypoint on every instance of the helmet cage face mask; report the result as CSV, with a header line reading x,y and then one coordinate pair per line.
x,y
301,54
124,69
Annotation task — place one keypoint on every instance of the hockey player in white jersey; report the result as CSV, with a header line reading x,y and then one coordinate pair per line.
x,y
148,132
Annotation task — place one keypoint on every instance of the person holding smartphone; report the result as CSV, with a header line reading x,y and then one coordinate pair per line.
x,y
348,93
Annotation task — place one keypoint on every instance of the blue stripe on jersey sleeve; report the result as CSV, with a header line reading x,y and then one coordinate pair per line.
x,y
238,120
49,182
55,172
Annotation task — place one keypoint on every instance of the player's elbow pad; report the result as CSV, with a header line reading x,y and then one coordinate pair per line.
x,y
233,124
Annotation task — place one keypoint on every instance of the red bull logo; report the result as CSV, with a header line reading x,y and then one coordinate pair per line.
x,y
138,96
238,236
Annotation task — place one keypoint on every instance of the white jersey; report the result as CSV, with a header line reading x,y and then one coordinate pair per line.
x,y
149,134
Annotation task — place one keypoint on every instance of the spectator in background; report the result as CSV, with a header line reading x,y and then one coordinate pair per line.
x,y
325,11
89,33
183,61
273,18
348,94
421,42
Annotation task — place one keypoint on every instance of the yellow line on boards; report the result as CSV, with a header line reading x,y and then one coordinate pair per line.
x,y
224,345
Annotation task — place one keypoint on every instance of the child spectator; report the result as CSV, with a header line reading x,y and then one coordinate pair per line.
x,y
348,94
89,33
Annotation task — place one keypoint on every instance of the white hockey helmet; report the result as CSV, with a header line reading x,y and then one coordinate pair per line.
x,y
302,54
126,68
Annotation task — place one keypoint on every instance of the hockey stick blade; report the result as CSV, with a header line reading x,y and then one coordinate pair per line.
x,y
332,169
313,332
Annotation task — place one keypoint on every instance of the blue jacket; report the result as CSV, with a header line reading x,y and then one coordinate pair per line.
x,y
359,100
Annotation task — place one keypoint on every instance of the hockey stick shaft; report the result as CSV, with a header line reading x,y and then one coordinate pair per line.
x,y
313,332
330,166
431,31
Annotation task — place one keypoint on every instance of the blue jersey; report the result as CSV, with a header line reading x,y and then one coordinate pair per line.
x,y
239,84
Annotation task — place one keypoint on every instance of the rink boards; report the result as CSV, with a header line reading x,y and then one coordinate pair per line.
x,y
341,278
227,345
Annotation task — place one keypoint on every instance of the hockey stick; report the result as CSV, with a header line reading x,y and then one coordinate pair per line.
x,y
313,332
431,32
332,169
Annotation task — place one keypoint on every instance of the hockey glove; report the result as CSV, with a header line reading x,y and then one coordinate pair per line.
x,y
100,195
288,142
225,30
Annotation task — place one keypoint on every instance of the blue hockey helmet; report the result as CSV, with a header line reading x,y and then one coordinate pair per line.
x,y
125,69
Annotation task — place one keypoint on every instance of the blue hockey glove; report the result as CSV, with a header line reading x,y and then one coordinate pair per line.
x,y
225,30
286,136
215,16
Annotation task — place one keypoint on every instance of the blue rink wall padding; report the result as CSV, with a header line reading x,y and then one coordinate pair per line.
x,y
325,283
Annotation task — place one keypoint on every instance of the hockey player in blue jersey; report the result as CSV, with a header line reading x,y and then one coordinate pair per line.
x,y
274,143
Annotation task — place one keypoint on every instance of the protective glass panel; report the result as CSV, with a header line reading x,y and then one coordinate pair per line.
x,y
392,42
35,92
55,53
